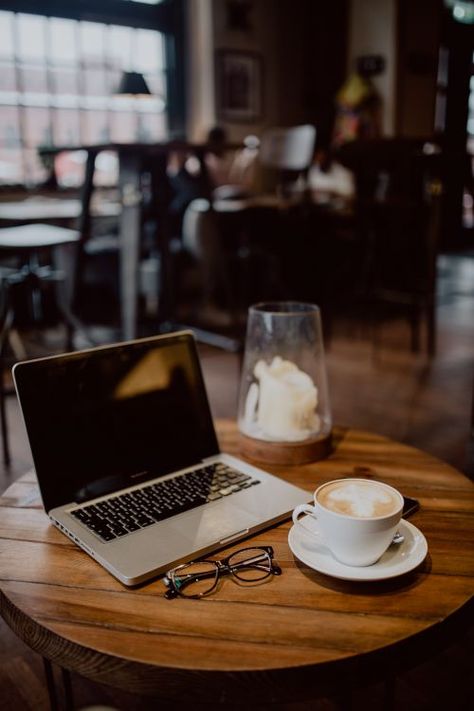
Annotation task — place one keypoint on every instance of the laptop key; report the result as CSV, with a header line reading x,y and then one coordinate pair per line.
x,y
157,515
81,515
131,526
238,477
227,490
107,535
145,521
119,532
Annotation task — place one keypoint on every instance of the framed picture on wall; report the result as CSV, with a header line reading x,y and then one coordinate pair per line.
x,y
238,85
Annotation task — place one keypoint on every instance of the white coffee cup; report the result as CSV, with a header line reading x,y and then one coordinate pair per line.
x,y
356,518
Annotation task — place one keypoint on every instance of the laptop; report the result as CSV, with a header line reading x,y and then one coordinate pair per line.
x,y
128,462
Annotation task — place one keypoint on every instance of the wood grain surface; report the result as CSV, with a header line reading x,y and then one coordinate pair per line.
x,y
299,636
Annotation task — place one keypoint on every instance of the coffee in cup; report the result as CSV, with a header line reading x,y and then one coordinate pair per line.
x,y
358,498
357,518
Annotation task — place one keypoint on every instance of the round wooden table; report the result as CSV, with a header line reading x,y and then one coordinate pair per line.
x,y
300,636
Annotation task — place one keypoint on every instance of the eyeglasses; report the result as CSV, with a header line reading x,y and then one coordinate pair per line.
x,y
197,579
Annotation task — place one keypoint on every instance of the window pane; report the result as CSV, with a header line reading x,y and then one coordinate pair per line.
x,y
67,129
106,169
149,105
64,82
70,168
149,51
97,103
156,84
63,41
113,81
95,82
35,171
11,162
7,77
33,78
91,42
151,127
31,37
122,103
156,103
119,47
11,165
9,127
95,125
6,34
123,126
37,127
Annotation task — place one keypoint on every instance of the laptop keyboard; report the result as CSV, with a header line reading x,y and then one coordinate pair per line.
x,y
123,514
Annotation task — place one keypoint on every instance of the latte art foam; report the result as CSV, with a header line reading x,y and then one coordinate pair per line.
x,y
358,499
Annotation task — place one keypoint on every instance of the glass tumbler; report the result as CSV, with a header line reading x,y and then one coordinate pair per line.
x,y
284,412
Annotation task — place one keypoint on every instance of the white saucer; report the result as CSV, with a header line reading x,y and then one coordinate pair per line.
x,y
398,559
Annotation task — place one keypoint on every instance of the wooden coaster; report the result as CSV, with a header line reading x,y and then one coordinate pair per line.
x,y
286,452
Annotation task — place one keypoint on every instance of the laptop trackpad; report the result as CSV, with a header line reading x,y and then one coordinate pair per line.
x,y
213,523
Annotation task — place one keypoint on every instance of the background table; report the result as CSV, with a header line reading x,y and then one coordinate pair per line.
x,y
300,636
57,211
136,159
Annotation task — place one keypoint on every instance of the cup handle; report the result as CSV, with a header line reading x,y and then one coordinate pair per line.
x,y
304,509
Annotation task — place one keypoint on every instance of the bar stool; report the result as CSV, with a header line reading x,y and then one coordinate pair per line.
x,y
26,243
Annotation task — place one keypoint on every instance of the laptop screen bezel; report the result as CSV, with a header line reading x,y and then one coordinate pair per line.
x,y
23,385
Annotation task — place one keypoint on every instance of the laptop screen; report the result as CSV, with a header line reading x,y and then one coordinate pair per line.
x,y
107,418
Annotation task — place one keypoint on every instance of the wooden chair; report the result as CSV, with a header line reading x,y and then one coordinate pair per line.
x,y
397,220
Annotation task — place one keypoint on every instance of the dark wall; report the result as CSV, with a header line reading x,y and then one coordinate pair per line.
x,y
419,32
311,60
458,39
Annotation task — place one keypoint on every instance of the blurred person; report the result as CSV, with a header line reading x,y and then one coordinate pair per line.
x,y
230,176
358,110
191,178
329,181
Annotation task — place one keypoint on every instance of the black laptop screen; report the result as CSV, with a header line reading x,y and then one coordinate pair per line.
x,y
111,417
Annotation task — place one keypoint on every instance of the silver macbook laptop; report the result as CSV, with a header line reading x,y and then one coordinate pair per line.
x,y
127,457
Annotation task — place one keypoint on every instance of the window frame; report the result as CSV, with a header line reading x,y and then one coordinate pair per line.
x,y
159,17
166,17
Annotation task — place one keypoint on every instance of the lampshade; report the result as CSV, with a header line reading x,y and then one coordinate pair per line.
x,y
133,83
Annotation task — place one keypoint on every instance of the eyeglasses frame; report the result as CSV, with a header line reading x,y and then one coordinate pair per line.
x,y
222,567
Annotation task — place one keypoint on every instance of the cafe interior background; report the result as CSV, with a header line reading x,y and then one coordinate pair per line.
x,y
377,227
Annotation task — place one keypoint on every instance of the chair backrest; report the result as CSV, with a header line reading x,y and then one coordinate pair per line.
x,y
397,211
288,148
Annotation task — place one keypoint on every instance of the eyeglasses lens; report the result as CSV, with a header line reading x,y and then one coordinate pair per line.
x,y
250,565
196,579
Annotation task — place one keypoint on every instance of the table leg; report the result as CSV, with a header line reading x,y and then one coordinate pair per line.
x,y
67,686
48,672
389,693
65,258
7,318
84,225
51,686
3,419
130,228
343,702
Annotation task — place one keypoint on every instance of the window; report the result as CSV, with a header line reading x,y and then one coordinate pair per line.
x,y
57,82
